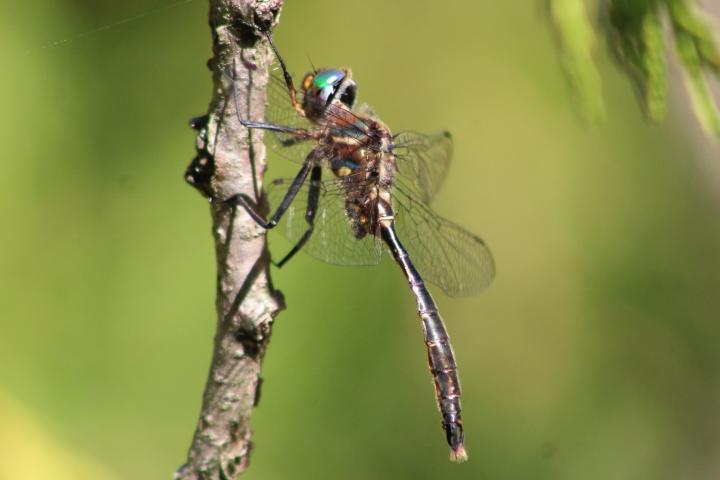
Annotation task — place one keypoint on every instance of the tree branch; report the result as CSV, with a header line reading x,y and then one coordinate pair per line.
x,y
231,161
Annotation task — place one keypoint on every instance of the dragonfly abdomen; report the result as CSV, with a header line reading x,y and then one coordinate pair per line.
x,y
447,384
440,354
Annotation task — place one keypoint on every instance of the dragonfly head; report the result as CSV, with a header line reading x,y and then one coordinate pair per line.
x,y
324,87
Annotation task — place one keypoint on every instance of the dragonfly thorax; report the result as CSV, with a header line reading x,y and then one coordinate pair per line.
x,y
358,149
366,170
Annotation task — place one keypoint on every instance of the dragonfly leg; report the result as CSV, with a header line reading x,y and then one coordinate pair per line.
x,y
300,133
313,197
249,205
292,93
292,141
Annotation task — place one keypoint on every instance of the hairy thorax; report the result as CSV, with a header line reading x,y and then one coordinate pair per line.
x,y
360,153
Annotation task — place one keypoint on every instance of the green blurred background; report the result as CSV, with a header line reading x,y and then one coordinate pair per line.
x,y
594,355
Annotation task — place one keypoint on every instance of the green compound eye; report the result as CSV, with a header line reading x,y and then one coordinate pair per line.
x,y
328,78
325,86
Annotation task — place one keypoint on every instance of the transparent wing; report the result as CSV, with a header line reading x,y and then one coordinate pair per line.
x,y
332,239
279,111
445,254
423,161
366,110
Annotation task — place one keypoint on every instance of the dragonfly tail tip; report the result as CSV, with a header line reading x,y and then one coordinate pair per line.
x,y
458,454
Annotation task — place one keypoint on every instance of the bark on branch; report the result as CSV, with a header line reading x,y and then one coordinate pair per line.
x,y
231,161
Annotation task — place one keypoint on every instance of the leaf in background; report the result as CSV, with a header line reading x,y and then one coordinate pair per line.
x,y
654,67
637,39
577,40
698,53
638,43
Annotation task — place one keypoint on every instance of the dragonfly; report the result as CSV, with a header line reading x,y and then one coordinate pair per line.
x,y
362,191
